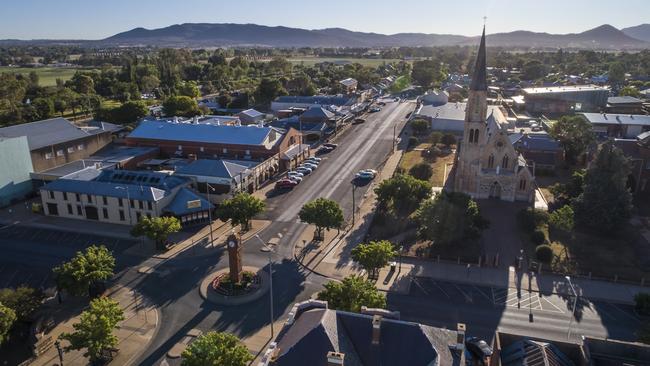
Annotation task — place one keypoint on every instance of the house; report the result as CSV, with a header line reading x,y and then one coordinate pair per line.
x,y
637,151
57,141
311,131
317,115
316,335
558,100
541,149
15,167
250,117
626,126
287,102
624,105
123,197
349,85
450,117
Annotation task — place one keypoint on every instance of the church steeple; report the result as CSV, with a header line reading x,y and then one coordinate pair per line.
x,y
479,77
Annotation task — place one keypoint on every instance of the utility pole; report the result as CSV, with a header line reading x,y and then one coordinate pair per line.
x,y
394,132
354,206
209,188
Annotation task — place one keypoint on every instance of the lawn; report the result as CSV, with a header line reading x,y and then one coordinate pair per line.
x,y
418,155
47,75
400,84
310,61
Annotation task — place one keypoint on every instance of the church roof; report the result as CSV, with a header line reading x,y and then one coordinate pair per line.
x,y
479,77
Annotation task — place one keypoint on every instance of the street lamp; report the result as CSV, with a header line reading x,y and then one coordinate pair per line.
x,y
573,312
354,206
128,202
208,189
270,251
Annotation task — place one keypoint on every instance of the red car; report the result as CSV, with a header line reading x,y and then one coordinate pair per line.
x,y
285,184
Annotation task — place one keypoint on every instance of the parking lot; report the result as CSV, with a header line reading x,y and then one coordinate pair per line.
x,y
28,254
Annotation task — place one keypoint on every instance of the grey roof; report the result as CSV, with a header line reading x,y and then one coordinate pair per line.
x,y
213,168
178,206
479,77
316,99
317,331
207,133
451,111
533,353
46,132
349,82
252,113
564,89
317,113
624,100
541,142
618,119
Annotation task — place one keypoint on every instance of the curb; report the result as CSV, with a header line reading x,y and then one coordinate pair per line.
x,y
218,299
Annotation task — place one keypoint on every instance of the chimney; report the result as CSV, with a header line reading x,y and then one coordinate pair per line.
x,y
335,358
376,329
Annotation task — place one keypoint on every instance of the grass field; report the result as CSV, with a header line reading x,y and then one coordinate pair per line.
x,y
46,75
310,61
401,83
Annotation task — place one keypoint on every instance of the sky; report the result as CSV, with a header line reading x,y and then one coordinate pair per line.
x,y
97,19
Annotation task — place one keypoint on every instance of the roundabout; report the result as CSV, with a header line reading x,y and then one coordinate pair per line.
x,y
217,288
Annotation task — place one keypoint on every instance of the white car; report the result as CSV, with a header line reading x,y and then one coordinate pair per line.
x,y
365,175
303,170
295,178
371,171
293,172
313,158
310,165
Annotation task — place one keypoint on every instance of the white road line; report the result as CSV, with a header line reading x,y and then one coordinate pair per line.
x,y
548,301
482,293
467,297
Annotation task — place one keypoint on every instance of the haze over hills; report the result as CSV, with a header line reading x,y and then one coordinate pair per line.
x,y
605,37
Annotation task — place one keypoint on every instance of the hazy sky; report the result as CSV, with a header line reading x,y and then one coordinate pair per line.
x,y
95,19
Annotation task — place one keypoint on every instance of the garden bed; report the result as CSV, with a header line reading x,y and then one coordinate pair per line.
x,y
223,285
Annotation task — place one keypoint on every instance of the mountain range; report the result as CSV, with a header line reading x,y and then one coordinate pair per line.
x,y
605,37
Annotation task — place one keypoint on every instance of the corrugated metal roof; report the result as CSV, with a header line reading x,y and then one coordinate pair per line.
x,y
46,132
109,189
252,113
178,206
624,100
316,99
213,168
189,132
620,119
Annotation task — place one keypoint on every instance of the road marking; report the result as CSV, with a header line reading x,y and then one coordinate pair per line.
x,y
558,309
467,297
624,312
482,293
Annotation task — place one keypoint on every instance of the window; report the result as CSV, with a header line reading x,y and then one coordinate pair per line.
x,y
89,198
80,147
149,206
59,153
471,136
48,156
504,163
138,215
120,202
491,162
105,211
78,197
132,203
121,215
70,212
51,194
65,196
201,149
476,136
53,209
141,204
105,200
522,185
71,149
225,151
180,147
248,152
79,211
148,215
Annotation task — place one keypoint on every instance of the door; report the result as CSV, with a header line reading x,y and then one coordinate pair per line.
x,y
495,190
92,213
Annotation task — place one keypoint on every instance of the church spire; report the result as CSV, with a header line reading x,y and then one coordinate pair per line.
x,y
479,77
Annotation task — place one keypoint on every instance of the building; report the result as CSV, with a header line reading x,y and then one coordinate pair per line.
x,y
449,117
250,117
624,105
316,335
15,167
540,149
626,126
317,115
487,164
306,102
349,85
559,100
637,150
57,141
123,197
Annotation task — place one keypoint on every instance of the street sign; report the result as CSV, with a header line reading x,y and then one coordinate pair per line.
x,y
194,204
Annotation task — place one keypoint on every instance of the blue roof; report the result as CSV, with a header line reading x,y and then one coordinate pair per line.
x,y
207,133
178,206
213,168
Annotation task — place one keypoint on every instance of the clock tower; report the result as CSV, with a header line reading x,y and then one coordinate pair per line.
x,y
234,258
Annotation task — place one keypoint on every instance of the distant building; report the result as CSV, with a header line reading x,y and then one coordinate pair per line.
x,y
626,126
15,167
123,197
450,117
316,335
558,100
57,141
250,117
349,85
541,149
624,105
288,102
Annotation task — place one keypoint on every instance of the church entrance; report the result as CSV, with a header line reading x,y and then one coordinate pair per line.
x,y
495,190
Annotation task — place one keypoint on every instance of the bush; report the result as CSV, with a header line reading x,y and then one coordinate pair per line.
x,y
642,303
435,137
448,139
530,219
421,171
544,253
538,237
420,126
413,141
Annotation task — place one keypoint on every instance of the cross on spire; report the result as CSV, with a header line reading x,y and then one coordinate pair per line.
x,y
484,20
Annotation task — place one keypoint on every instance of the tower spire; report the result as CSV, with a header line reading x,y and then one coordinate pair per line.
x,y
479,77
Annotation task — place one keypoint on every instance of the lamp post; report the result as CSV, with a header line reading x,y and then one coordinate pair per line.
x,y
401,249
354,206
128,202
394,132
208,189
573,311
270,251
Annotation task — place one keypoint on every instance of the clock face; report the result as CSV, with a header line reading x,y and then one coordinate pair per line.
x,y
231,244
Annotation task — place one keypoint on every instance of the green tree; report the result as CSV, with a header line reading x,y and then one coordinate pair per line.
x,y
448,139
402,192
323,213
420,126
216,349
189,89
435,137
157,229
351,294
562,218
241,209
85,269
574,134
44,107
129,112
94,332
374,255
24,301
7,319
449,218
181,106
606,201
567,192
629,91
616,73
421,171
83,84
427,73
533,69
268,90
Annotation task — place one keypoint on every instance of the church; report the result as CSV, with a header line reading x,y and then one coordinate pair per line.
x,y
487,164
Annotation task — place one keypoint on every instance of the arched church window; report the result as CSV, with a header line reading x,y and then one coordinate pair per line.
x,y
491,162
471,136
476,136
522,185
504,163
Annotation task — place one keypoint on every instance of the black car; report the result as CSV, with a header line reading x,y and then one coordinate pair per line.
x,y
323,150
478,348
330,145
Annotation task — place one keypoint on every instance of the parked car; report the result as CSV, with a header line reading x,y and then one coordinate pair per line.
x,y
285,184
375,109
478,348
365,175
293,172
358,121
330,145
323,150
313,158
309,165
381,103
372,171
304,170
295,178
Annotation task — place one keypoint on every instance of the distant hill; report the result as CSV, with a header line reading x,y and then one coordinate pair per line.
x,y
604,37
641,32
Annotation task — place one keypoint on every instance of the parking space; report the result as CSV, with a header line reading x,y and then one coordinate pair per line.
x,y
15,275
63,238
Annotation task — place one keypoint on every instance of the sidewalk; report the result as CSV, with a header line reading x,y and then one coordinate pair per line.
x,y
134,333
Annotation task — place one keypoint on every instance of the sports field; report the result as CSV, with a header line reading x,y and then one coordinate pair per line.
x,y
46,75
310,61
